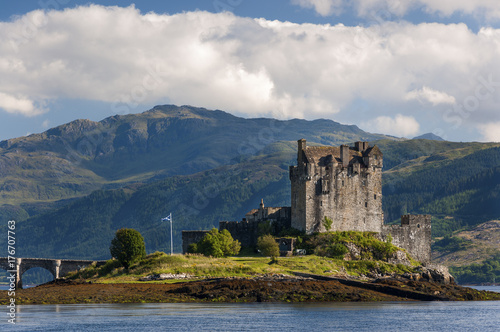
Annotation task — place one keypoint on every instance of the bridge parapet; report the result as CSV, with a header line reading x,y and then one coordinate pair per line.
x,y
57,267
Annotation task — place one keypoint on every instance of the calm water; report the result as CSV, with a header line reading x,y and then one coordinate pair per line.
x,y
387,316
397,316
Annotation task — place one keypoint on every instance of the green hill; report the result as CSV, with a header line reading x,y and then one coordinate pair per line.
x,y
77,158
85,227
73,186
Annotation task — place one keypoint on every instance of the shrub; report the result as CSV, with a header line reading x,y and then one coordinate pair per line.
x,y
327,223
217,244
268,246
337,250
127,246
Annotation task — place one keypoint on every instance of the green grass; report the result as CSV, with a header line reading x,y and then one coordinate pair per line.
x,y
209,267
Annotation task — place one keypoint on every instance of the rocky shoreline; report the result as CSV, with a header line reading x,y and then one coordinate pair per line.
x,y
266,288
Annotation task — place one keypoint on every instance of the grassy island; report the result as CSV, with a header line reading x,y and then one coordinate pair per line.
x,y
346,266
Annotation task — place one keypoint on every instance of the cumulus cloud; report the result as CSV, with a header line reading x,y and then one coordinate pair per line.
x,y
490,131
429,95
322,7
400,125
256,67
484,8
18,104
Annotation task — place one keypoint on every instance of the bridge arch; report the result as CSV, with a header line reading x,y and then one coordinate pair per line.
x,y
57,267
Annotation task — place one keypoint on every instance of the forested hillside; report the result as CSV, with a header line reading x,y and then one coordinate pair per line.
x,y
73,160
207,166
200,201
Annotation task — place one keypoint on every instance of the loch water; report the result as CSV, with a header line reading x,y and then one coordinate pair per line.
x,y
383,316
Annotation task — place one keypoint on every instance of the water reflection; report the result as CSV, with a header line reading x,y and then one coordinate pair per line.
x,y
383,316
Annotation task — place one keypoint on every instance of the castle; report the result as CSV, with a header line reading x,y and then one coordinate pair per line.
x,y
342,183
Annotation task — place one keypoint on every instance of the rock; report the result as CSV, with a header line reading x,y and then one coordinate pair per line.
x,y
166,276
399,257
354,252
436,273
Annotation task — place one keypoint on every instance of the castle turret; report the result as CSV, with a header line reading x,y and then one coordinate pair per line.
x,y
300,151
344,155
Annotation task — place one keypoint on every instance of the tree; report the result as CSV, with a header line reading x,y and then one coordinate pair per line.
x,y
127,246
327,223
268,246
217,244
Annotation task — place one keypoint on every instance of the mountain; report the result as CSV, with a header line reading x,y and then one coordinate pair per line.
x,y
429,136
42,171
73,186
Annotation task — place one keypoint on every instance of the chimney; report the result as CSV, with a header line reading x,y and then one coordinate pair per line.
x,y
300,151
344,155
361,146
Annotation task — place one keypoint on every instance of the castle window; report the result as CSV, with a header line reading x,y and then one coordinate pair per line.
x,y
342,183
366,204
418,225
374,196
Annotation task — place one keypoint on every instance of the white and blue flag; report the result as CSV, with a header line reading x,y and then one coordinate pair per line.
x,y
166,218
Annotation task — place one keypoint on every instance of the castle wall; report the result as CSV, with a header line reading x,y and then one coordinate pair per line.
x,y
414,235
244,231
189,237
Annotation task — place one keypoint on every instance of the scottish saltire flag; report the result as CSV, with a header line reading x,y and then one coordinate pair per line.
x,y
166,218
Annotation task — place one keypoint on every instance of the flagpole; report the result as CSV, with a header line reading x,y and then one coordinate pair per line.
x,y
171,237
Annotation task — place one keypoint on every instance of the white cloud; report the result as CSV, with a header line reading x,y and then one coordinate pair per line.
x,y
490,131
489,8
18,104
322,7
429,95
400,125
386,8
254,66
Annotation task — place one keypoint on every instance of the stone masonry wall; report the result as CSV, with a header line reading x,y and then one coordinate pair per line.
x,y
243,231
189,237
351,195
414,235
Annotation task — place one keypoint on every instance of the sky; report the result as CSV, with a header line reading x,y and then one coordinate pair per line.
x,y
395,67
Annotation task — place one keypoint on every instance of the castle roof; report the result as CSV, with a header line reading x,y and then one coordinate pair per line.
x,y
320,155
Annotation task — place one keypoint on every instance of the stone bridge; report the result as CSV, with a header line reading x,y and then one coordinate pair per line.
x,y
58,267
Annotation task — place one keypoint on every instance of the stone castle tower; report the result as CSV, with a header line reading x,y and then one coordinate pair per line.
x,y
341,183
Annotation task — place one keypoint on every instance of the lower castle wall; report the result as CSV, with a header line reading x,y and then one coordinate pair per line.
x,y
414,235
189,237
244,231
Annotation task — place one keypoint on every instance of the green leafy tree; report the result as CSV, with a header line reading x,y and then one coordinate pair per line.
x,y
327,223
217,244
127,246
268,246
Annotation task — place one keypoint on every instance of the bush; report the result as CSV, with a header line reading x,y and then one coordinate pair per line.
x,y
327,223
337,250
217,244
127,246
268,246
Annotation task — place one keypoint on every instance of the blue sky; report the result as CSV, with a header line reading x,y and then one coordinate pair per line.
x,y
390,66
